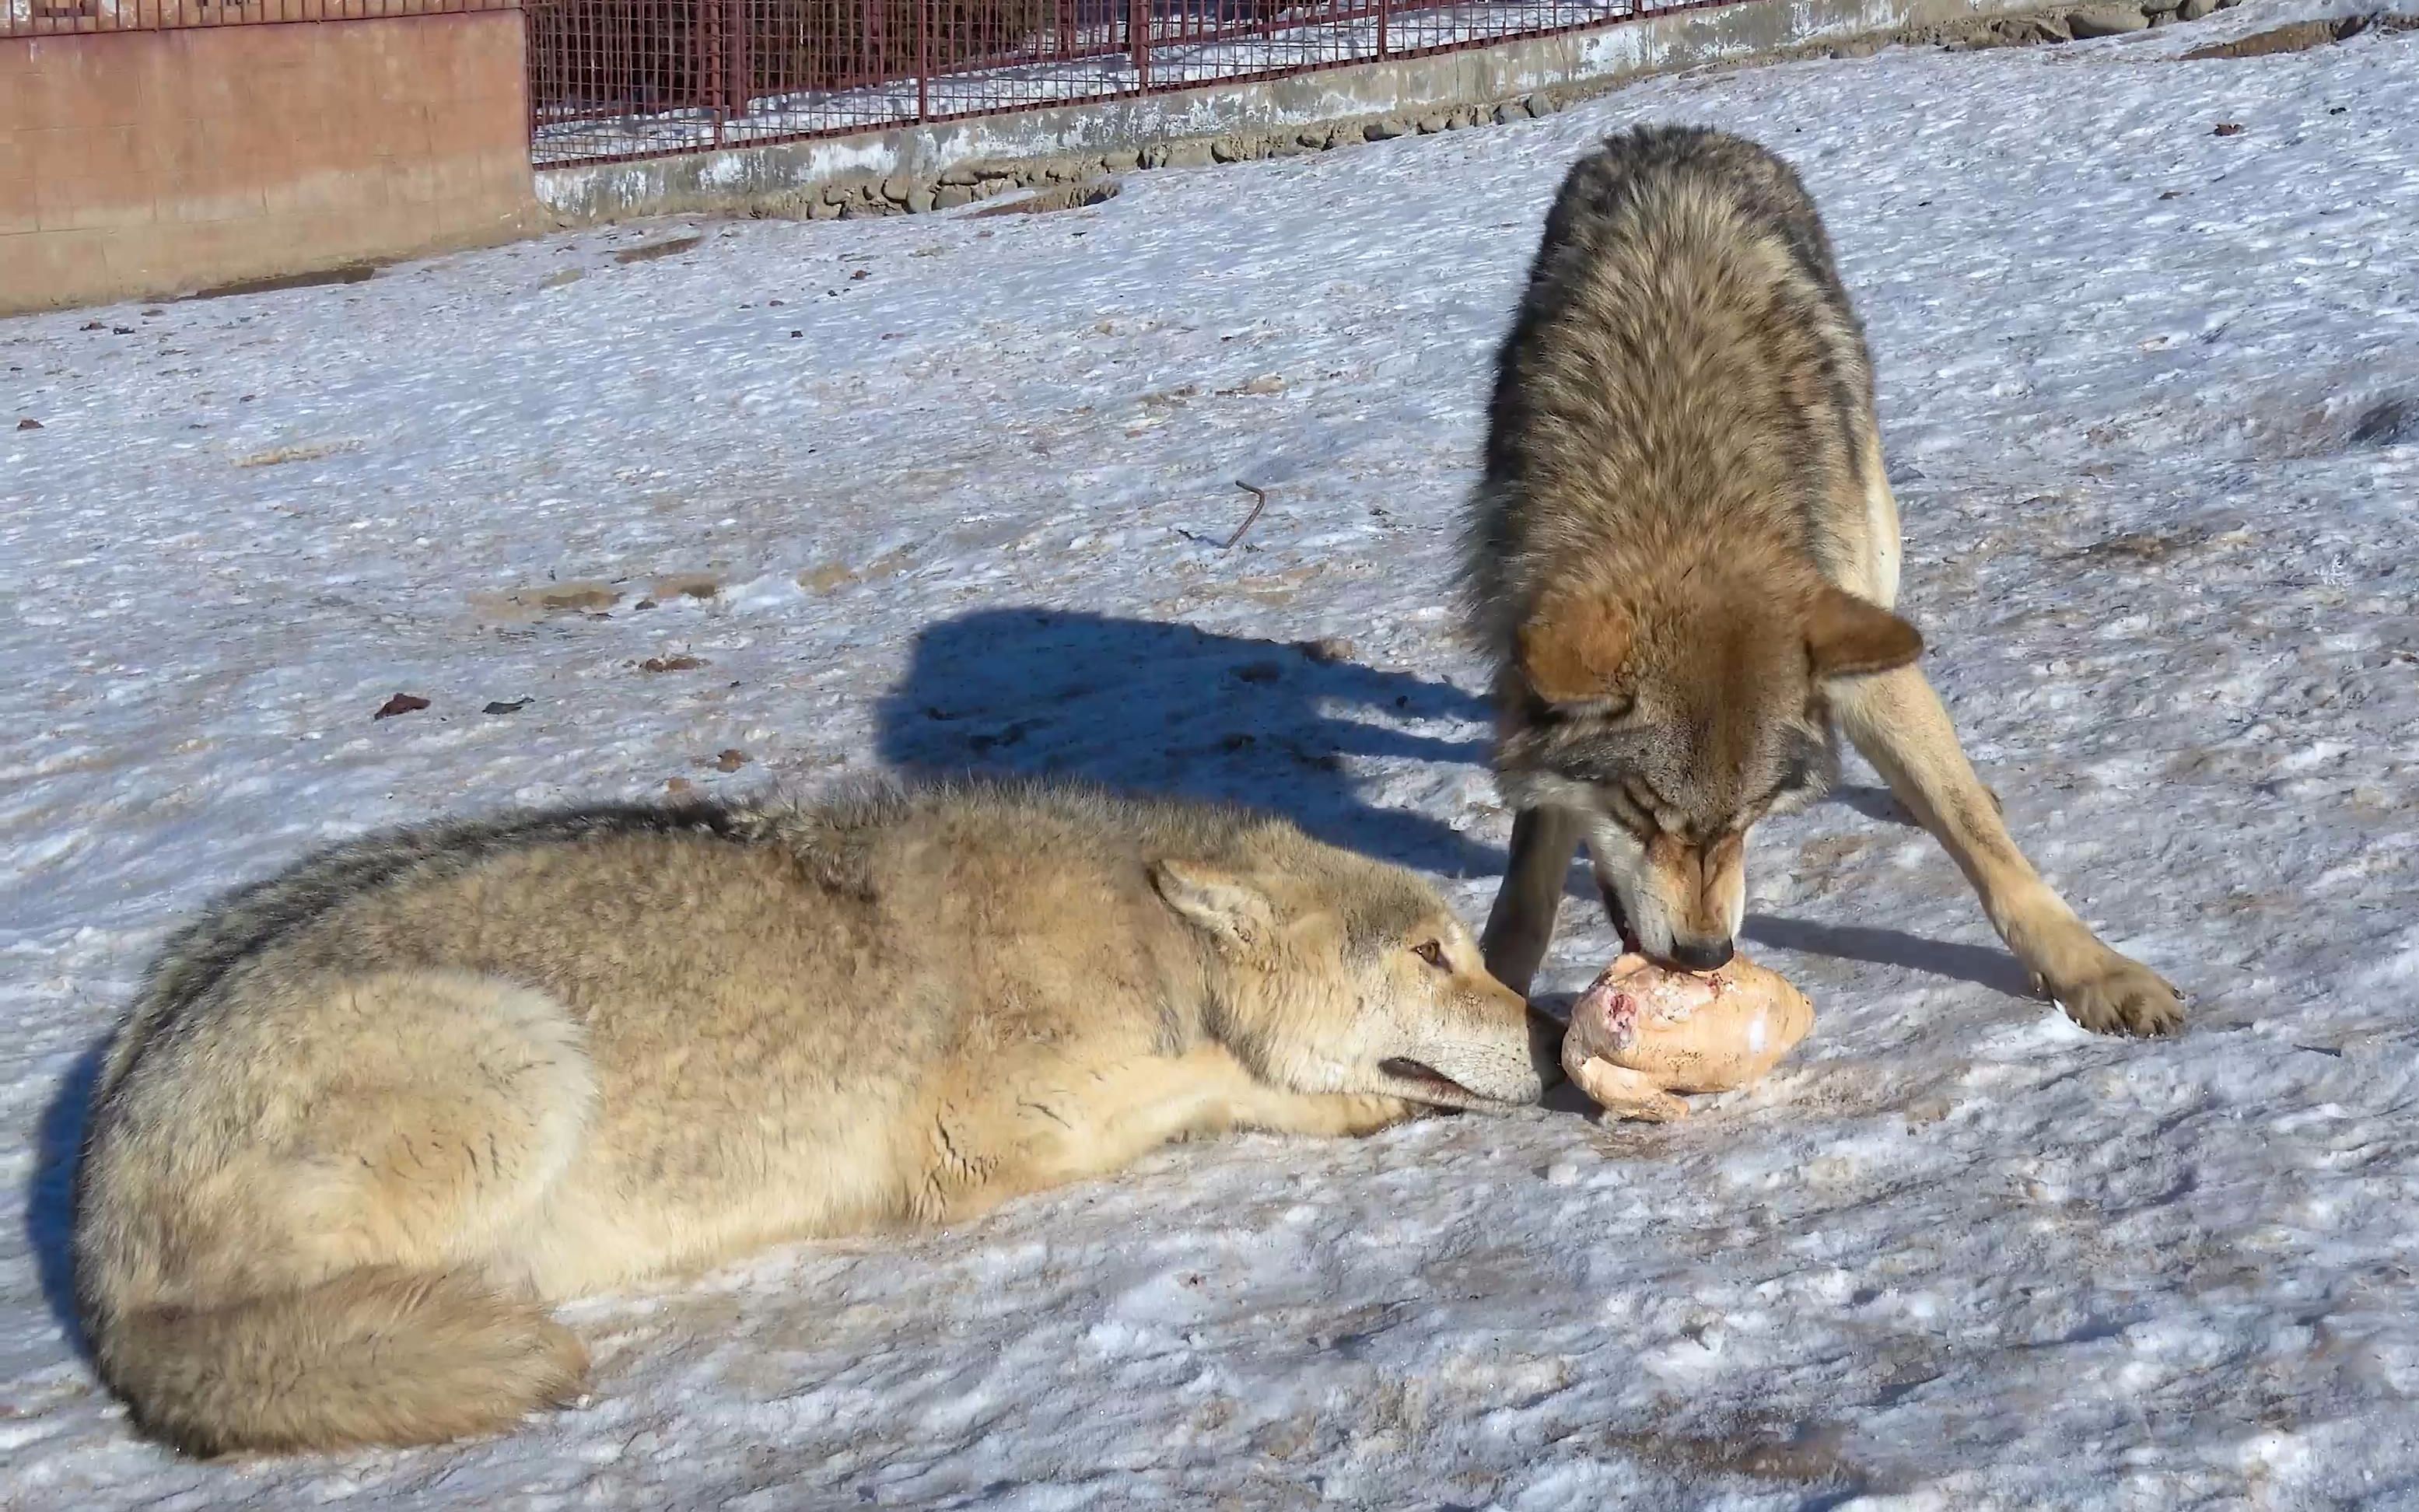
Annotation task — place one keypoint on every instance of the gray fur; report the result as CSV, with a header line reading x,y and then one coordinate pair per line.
x,y
1684,559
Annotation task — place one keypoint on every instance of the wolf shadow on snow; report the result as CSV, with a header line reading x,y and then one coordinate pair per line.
x,y
1161,707
1146,706
50,1193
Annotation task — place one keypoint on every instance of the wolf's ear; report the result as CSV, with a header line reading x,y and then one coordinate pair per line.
x,y
1217,901
1575,647
1851,637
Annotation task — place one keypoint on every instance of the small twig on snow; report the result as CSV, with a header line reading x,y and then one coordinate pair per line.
x,y
1259,501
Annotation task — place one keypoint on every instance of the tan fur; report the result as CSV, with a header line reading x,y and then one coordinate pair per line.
x,y
1575,648
369,1117
1685,555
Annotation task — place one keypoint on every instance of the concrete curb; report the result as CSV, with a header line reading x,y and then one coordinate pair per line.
x,y
946,164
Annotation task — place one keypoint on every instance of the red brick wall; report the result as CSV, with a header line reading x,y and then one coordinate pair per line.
x,y
135,164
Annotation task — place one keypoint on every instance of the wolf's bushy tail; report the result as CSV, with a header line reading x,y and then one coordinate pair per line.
x,y
375,1356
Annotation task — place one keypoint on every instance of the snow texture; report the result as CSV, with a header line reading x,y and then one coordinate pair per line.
x,y
2151,395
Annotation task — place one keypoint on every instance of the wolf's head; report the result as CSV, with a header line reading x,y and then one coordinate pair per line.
x,y
1338,974
1674,711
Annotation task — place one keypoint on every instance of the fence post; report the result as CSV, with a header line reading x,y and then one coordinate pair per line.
x,y
739,81
923,59
1138,37
1383,6
711,73
535,53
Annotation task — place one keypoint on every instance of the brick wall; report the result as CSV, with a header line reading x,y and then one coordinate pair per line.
x,y
136,165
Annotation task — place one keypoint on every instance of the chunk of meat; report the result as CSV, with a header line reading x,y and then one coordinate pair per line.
x,y
1641,1033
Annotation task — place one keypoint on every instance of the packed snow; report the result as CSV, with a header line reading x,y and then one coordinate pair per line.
x,y
961,485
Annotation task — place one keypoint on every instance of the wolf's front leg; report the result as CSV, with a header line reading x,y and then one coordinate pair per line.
x,y
1521,925
1322,1115
1025,1130
1897,721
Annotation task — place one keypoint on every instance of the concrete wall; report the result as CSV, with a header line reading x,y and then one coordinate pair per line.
x,y
777,176
138,164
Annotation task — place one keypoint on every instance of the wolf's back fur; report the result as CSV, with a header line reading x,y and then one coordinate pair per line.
x,y
1684,379
367,1119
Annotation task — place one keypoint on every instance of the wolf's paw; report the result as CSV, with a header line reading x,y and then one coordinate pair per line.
x,y
1365,1113
2115,995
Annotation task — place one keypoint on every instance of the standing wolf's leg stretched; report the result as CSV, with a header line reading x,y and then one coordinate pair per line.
x,y
1897,721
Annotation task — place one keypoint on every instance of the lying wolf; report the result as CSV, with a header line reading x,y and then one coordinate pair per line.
x,y
367,1120
1684,557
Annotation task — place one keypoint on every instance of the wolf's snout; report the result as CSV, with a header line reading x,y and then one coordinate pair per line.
x,y
1702,955
1463,1075
1490,1051
1513,1079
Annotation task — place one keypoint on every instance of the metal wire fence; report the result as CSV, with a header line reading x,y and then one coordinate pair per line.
x,y
611,80
619,79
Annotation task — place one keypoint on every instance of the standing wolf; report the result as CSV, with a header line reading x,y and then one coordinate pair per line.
x,y
1684,556
367,1119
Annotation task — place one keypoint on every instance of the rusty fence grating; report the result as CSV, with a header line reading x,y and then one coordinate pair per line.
x,y
53,18
613,80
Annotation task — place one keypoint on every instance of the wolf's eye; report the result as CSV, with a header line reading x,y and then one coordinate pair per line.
x,y
1431,952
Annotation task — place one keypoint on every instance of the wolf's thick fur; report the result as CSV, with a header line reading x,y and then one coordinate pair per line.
x,y
367,1119
1684,555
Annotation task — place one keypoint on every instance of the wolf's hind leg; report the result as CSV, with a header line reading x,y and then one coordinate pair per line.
x,y
1897,721
442,1108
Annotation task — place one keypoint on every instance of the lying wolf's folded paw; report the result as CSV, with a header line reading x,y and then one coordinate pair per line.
x,y
1365,1113
2120,996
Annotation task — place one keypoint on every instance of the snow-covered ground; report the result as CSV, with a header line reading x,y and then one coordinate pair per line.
x,y
960,482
